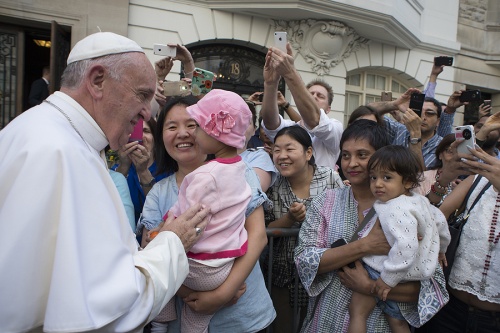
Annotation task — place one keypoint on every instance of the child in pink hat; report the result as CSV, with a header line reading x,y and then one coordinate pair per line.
x,y
222,117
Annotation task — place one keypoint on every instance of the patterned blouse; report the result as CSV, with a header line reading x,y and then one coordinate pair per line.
x,y
330,216
282,196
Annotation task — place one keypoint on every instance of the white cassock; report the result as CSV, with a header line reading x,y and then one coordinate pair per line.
x,y
69,261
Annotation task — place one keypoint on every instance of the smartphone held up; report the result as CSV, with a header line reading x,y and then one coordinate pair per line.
x,y
137,132
176,88
465,132
443,61
417,103
202,82
280,40
165,50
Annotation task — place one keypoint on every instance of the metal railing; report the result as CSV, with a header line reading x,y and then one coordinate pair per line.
x,y
273,233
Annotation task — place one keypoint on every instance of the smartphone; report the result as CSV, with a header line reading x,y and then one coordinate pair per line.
x,y
470,96
280,40
487,102
465,132
417,103
443,60
176,88
386,96
202,82
137,133
165,50
261,97
340,242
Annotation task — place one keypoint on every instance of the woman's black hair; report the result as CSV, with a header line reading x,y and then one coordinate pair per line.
x,y
369,130
154,132
365,110
398,159
441,147
164,162
300,135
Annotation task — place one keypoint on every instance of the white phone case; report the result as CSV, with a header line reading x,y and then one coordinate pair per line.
x,y
465,132
165,50
280,40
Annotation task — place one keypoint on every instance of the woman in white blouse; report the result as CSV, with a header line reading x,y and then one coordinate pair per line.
x,y
474,282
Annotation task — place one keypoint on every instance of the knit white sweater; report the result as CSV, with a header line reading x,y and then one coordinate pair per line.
x,y
402,219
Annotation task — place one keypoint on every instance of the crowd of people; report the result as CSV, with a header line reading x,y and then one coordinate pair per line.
x,y
369,202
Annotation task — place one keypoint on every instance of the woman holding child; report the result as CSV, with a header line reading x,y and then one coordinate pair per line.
x,y
178,152
336,214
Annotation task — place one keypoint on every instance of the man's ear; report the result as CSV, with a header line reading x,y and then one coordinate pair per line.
x,y
95,81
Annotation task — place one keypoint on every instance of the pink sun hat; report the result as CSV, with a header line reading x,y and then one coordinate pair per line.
x,y
223,115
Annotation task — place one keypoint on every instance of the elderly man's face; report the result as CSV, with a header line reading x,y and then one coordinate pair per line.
x,y
127,100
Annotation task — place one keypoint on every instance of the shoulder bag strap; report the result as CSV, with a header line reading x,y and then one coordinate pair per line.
x,y
476,200
363,223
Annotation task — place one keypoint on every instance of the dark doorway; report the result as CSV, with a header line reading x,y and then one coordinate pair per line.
x,y
37,55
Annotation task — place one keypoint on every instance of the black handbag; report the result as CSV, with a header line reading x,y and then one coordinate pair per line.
x,y
456,222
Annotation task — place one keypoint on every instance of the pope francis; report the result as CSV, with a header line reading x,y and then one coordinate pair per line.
x,y
69,260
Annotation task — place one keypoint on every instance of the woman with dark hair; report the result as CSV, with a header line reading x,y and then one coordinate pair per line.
x,y
366,112
178,153
137,164
336,214
299,181
441,180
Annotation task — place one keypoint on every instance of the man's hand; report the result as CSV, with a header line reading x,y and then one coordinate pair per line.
x,y
163,67
454,100
402,103
281,62
184,225
412,122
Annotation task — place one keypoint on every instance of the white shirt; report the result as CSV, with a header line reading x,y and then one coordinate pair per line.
x,y
325,138
69,259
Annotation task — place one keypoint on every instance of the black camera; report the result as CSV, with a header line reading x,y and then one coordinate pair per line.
x,y
467,134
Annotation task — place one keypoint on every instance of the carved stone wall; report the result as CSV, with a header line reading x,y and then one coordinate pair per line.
x,y
473,10
323,44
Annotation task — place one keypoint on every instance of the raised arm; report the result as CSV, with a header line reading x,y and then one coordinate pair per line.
x,y
283,64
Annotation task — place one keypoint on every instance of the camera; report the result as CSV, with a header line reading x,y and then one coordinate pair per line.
x,y
440,61
417,103
470,96
466,133
261,97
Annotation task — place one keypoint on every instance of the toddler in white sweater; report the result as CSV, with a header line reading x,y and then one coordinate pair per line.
x,y
416,231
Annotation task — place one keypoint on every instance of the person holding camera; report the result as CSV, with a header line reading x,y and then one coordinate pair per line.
x,y
313,103
336,214
473,282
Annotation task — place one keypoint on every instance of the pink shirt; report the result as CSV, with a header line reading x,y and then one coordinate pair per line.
x,y
221,185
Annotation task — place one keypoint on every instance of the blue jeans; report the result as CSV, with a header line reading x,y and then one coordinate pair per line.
x,y
458,317
388,307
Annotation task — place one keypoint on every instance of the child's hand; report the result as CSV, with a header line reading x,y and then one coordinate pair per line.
x,y
154,232
442,260
381,289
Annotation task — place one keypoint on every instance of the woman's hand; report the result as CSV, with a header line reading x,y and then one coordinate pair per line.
x,y
484,110
209,302
491,124
375,242
140,157
297,211
488,168
356,279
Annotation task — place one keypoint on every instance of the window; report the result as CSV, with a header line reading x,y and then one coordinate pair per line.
x,y
366,87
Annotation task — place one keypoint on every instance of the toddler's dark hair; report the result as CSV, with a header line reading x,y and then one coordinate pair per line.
x,y
398,159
